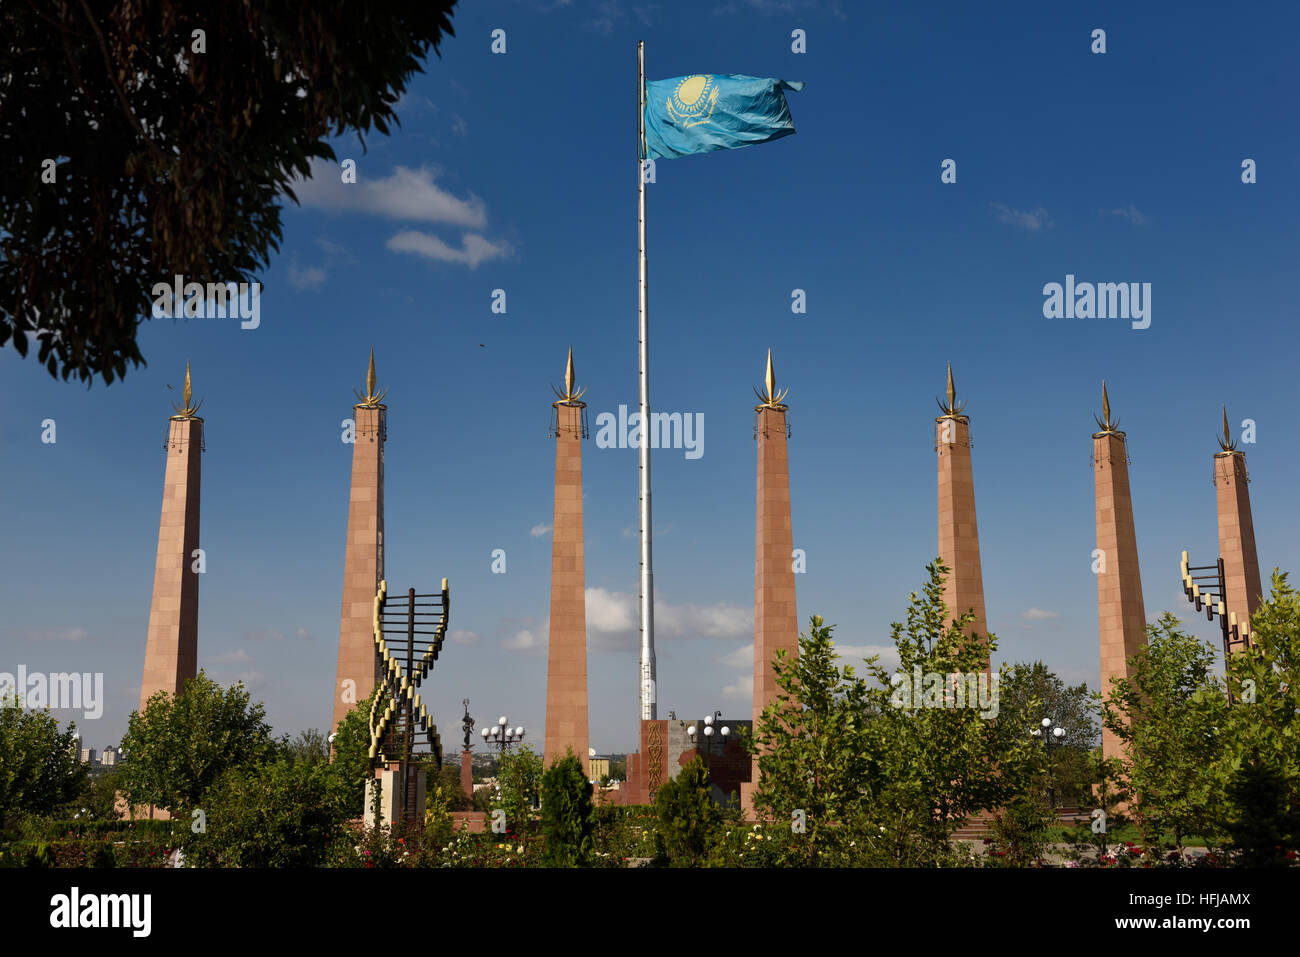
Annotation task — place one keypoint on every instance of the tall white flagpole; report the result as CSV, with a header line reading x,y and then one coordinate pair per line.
x,y
646,589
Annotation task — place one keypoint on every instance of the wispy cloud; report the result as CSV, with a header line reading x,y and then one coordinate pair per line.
x,y
474,248
612,619
458,125
405,194
237,657
742,657
856,654
742,687
528,640
1129,212
462,637
308,278
1039,614
1031,221
537,531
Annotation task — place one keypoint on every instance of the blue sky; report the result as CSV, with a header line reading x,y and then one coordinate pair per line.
x,y
516,172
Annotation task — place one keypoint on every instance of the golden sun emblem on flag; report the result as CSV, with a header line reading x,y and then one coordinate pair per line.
x,y
692,102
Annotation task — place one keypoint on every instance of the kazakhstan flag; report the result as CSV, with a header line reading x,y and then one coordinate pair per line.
x,y
706,112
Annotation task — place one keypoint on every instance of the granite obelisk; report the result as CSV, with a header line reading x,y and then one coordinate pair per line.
x,y
776,623
566,664
171,649
1121,617
1236,533
363,565
959,541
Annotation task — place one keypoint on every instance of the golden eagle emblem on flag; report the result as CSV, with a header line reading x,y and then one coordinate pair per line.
x,y
693,100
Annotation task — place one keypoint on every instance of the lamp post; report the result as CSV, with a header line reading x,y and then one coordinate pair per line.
x,y
1049,736
501,735
709,730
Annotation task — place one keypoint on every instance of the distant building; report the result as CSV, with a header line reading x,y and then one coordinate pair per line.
x,y
109,757
599,768
89,756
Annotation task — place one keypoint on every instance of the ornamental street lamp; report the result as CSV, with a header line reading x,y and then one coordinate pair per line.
x,y
1049,736
501,735
708,731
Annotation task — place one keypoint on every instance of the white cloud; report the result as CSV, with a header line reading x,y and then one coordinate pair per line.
x,y
474,248
1031,221
406,194
308,278
742,657
304,634
742,687
610,612
537,531
614,614
857,653
458,125
1130,212
463,637
1039,614
528,640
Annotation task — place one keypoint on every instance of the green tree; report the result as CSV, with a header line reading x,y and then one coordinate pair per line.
x,y
177,747
170,159
520,778
1171,716
568,818
310,745
877,777
447,779
688,818
814,756
1031,692
1259,771
351,764
284,813
40,769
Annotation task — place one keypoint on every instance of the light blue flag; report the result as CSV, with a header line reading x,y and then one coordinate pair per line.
x,y
706,112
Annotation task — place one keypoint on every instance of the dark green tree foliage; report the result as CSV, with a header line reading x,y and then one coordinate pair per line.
x,y
170,160
520,778
284,813
1031,692
568,819
351,763
873,777
178,747
688,818
40,769
1171,714
1260,772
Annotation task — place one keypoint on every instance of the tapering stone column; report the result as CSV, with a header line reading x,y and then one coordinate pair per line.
x,y
566,664
959,541
363,565
171,649
776,622
1120,614
1242,583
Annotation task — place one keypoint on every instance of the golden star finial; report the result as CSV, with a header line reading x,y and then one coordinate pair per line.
x,y
370,400
952,409
185,410
1227,443
1105,423
569,396
773,399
